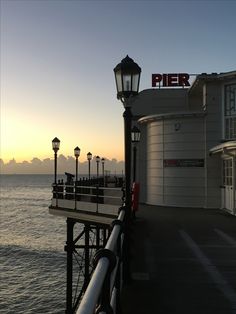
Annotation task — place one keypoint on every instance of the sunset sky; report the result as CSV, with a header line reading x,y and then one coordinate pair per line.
x,y
57,60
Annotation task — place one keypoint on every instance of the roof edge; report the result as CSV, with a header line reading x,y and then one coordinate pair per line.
x,y
223,148
171,115
211,77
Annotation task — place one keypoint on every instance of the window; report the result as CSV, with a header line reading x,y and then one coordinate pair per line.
x,y
230,112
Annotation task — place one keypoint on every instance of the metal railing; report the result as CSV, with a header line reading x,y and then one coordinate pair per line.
x,y
71,196
103,292
70,192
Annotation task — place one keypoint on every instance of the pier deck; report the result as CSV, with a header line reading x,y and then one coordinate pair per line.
x,y
86,212
183,261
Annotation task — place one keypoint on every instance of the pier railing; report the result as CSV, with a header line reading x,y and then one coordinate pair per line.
x,y
98,199
100,209
96,194
102,295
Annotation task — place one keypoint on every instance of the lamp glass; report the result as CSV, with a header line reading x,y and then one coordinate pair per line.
x,y
55,144
77,151
89,156
118,81
97,159
127,75
135,135
127,82
135,82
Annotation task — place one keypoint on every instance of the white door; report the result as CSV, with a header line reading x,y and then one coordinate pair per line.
x,y
228,184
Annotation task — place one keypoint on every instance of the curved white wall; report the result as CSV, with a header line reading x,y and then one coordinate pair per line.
x,y
175,138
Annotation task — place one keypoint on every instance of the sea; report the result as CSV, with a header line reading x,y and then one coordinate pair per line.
x,y
32,257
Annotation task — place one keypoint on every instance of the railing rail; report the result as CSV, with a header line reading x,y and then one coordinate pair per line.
x,y
102,293
72,196
63,190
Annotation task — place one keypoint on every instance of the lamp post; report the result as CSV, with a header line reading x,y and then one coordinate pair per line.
x,y
103,163
55,147
127,76
77,154
89,157
135,137
97,161
97,193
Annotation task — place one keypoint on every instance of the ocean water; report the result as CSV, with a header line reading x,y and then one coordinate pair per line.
x,y
32,257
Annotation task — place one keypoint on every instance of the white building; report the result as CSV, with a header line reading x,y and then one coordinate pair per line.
x,y
186,156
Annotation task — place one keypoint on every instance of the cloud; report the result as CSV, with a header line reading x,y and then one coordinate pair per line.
x,y
64,164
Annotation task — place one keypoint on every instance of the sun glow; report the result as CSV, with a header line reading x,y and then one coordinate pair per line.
x,y
23,137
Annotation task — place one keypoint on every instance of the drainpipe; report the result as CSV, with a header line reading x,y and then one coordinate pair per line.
x,y
206,162
163,170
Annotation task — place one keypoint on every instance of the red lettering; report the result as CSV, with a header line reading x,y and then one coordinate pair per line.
x,y
173,80
165,82
183,79
156,78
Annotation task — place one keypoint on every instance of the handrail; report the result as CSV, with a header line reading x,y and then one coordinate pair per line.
x,y
112,241
108,261
93,291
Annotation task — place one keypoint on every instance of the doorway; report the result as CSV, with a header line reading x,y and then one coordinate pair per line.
x,y
228,188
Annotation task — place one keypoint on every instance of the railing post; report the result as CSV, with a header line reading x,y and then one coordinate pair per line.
x,y
86,257
55,192
104,304
75,193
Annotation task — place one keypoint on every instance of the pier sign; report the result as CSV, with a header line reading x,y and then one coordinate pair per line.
x,y
170,80
183,162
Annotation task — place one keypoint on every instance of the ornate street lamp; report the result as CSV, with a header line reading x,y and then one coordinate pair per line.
x,y
103,173
77,154
135,137
89,158
127,76
97,192
97,161
55,147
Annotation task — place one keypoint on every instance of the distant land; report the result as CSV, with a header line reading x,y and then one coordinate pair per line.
x,y
65,164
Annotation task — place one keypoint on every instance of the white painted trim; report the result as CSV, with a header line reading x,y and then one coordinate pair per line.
x,y
224,148
219,280
173,115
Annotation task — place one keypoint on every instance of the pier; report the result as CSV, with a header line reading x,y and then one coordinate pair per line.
x,y
172,257
182,260
161,260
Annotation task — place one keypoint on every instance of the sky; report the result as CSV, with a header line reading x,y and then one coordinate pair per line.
x,y
57,60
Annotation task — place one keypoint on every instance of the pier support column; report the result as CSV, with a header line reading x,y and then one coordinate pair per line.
x,y
69,248
86,256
